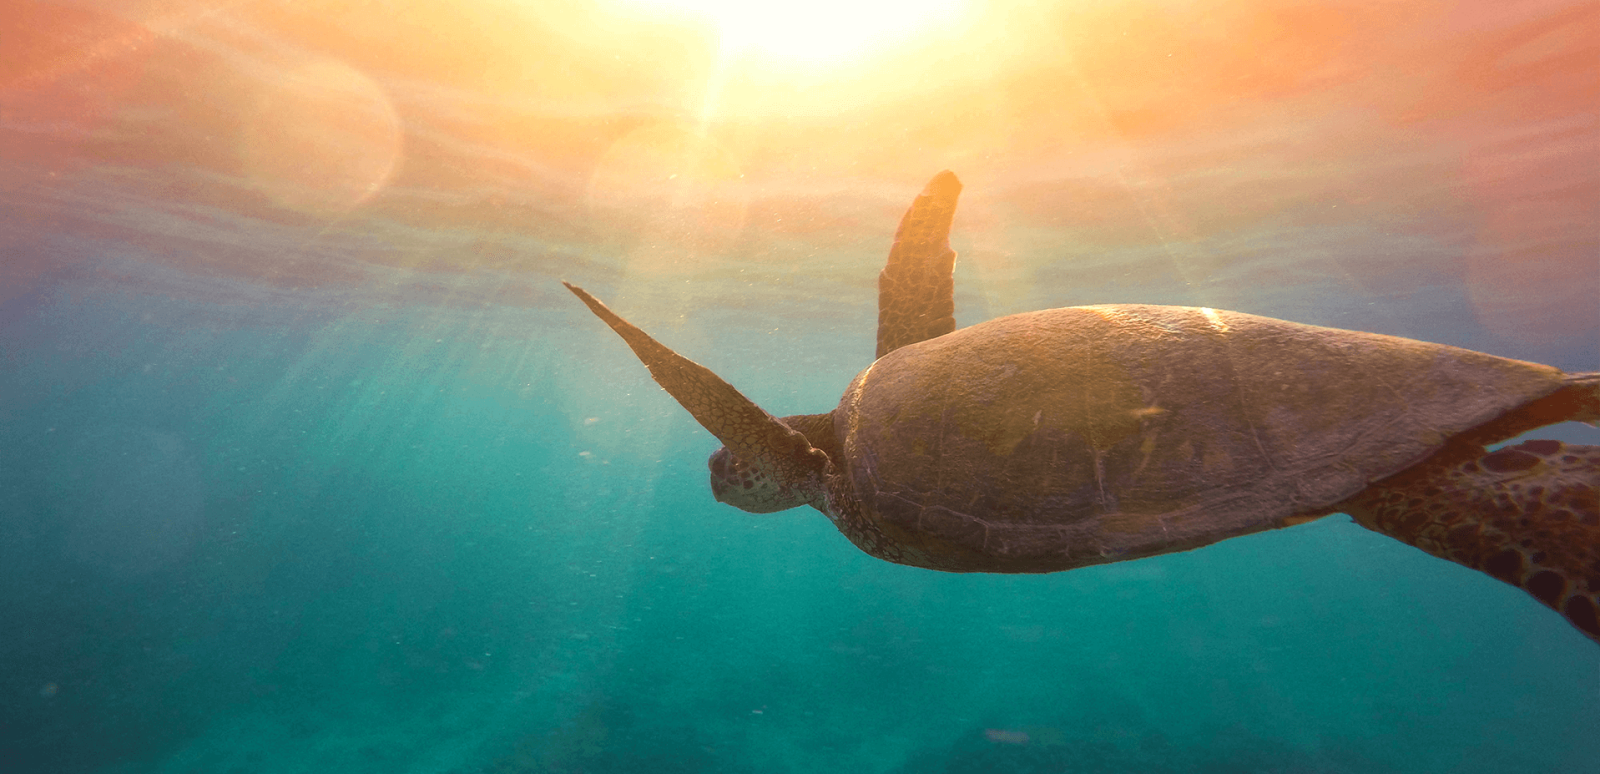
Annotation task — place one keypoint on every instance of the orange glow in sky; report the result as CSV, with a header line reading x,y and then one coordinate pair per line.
x,y
1127,140
816,31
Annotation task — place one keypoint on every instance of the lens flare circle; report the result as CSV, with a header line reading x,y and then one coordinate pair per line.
x,y
323,138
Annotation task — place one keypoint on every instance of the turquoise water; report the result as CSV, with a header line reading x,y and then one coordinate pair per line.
x,y
280,535
286,488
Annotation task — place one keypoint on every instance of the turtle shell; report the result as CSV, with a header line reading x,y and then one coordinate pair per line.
x,y
1068,437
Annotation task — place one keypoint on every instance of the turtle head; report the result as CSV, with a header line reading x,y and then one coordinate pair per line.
x,y
757,489
748,487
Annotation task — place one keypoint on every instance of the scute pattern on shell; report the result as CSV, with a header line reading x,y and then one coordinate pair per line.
x,y
1057,439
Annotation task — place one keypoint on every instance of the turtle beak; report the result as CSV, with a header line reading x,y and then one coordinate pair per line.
x,y
721,472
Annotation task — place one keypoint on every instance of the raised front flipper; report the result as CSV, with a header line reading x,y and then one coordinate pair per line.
x,y
1527,514
780,454
916,289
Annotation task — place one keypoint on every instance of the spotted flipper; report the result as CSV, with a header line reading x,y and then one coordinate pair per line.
x,y
916,289
1527,514
781,455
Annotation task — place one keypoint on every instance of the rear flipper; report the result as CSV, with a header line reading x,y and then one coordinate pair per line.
x,y
1527,514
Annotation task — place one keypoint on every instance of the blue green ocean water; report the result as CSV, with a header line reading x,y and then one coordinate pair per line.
x,y
295,535
295,483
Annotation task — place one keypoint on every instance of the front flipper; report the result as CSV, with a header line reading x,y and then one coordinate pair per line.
x,y
916,289
753,435
1527,514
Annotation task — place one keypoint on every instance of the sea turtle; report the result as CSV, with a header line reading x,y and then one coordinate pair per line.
x,y
1063,438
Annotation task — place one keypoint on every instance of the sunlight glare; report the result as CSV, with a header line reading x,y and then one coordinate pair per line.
x,y
815,31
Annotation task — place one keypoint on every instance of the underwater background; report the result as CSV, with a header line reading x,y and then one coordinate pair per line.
x,y
308,463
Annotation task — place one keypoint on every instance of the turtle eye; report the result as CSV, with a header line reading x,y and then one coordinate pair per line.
x,y
723,464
